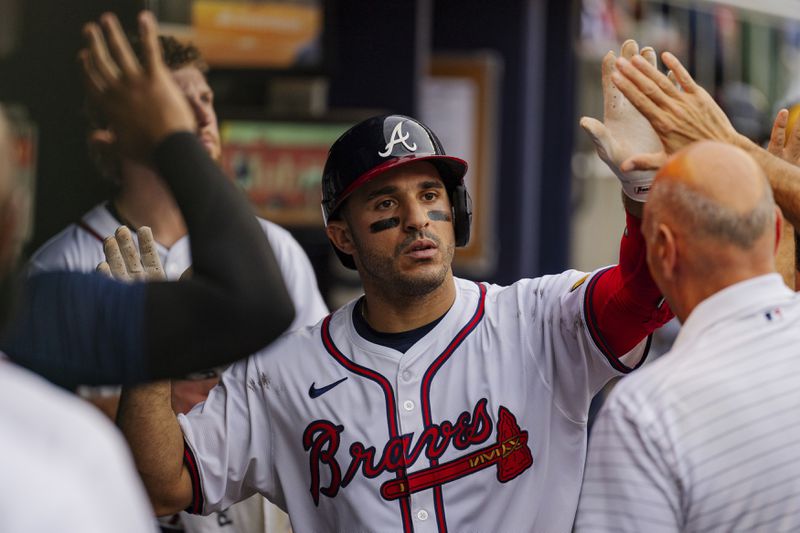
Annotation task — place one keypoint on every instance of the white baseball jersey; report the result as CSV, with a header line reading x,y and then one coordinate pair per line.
x,y
479,426
707,438
63,465
79,247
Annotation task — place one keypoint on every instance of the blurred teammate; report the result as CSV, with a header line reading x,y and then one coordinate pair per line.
x,y
705,438
55,448
430,403
143,198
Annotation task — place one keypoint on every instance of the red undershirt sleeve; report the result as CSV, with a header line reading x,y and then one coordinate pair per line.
x,y
625,305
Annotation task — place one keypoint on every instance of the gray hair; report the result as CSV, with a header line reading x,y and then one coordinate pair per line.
x,y
707,218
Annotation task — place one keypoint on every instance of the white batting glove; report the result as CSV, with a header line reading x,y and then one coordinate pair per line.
x,y
624,132
124,262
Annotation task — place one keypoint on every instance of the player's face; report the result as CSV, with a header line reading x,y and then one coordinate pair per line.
x,y
200,96
402,230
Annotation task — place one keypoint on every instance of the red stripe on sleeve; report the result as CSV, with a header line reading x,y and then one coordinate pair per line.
x,y
196,507
624,303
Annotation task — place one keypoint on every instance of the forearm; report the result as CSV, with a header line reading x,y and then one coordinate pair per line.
x,y
236,301
146,419
625,301
86,329
783,176
633,207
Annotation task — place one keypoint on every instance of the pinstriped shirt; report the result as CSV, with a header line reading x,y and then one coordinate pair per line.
x,y
707,438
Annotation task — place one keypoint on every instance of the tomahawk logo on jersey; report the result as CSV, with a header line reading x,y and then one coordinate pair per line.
x,y
479,426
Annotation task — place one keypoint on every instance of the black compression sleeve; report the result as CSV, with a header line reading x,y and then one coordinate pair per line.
x,y
236,302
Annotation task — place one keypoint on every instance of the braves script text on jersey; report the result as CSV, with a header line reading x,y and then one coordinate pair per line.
x,y
480,426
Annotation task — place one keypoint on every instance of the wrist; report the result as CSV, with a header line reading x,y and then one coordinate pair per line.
x,y
159,135
744,143
633,207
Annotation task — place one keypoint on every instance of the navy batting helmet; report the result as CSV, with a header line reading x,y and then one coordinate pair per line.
x,y
379,143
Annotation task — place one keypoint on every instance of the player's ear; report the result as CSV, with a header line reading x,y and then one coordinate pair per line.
x,y
339,234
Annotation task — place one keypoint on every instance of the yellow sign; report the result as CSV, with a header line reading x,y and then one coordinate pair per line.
x,y
255,35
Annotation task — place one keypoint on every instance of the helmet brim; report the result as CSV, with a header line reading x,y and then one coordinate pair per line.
x,y
451,170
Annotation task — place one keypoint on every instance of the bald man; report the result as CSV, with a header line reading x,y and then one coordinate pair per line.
x,y
707,438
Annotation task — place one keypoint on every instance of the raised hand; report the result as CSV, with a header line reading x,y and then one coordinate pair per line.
x,y
680,114
141,102
125,263
625,132
787,148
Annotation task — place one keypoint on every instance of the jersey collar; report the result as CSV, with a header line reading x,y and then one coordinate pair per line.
x,y
740,299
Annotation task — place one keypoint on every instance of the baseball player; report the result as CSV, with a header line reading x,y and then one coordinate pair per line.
x,y
431,403
142,198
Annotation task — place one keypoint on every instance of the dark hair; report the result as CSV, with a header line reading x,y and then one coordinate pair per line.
x,y
175,53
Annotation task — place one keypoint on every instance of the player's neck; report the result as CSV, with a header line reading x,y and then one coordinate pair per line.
x,y
145,200
387,312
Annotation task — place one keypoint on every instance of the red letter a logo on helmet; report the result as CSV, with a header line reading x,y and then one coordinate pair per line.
x,y
398,137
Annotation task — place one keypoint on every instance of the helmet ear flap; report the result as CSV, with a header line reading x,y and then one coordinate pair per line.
x,y
346,259
462,213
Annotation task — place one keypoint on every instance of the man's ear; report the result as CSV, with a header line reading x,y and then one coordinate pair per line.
x,y
779,222
339,234
666,251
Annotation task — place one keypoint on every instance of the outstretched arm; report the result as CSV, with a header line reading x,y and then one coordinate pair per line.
x,y
145,414
625,302
146,419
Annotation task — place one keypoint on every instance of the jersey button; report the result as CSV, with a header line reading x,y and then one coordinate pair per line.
x,y
422,514
408,405
407,375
